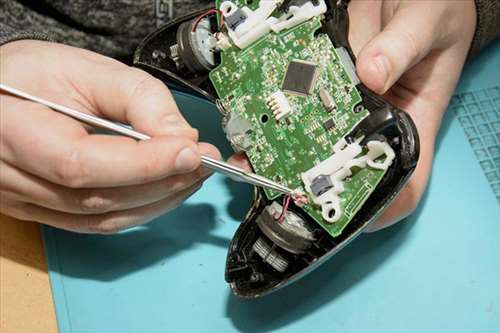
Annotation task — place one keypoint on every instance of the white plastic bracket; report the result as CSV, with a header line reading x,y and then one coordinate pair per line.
x,y
298,15
260,22
338,168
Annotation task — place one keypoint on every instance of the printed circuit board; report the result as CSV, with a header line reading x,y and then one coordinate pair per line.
x,y
298,98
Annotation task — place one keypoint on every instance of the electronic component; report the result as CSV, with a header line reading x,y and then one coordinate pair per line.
x,y
279,105
346,155
300,77
320,185
238,131
194,49
254,26
327,100
235,18
223,42
246,26
267,252
329,124
308,62
291,233
338,167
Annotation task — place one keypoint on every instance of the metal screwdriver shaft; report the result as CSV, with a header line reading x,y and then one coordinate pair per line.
x,y
212,164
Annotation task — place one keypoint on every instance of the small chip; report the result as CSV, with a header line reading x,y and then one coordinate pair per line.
x,y
300,77
329,124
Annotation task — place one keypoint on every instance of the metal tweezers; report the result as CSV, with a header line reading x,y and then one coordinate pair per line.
x,y
229,170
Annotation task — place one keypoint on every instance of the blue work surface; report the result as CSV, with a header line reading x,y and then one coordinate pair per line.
x,y
437,272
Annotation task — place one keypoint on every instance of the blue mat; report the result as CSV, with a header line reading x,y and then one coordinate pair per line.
x,y
437,272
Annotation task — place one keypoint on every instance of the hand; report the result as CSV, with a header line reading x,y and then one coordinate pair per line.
x,y
412,53
54,171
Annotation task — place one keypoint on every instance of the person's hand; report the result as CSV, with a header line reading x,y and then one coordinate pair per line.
x,y
412,53
54,171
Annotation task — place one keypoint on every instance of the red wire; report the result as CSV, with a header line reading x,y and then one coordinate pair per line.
x,y
210,12
286,203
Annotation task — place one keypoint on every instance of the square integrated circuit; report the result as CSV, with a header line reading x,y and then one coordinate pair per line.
x,y
300,77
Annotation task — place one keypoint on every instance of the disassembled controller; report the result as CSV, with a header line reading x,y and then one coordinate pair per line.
x,y
282,74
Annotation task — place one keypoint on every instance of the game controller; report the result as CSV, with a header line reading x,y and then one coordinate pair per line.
x,y
282,74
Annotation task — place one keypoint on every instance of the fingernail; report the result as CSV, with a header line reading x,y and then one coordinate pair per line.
x,y
186,160
383,67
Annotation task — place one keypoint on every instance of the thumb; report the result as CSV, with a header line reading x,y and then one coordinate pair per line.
x,y
403,42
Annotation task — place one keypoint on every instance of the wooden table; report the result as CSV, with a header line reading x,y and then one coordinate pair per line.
x,y
25,295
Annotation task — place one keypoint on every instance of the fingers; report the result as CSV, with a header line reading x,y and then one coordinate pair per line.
x,y
408,37
133,96
108,223
28,188
93,83
403,206
109,161
61,169
74,159
209,150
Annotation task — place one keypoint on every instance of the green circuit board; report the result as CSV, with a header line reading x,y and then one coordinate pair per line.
x,y
283,149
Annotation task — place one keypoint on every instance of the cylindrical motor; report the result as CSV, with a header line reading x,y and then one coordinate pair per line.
x,y
291,234
195,47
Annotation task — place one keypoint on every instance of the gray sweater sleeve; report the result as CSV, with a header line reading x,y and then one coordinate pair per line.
x,y
488,24
110,27
115,27
13,23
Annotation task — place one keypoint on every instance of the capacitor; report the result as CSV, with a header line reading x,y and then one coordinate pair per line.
x,y
327,100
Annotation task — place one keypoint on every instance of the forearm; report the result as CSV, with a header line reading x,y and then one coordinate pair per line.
x,y
488,24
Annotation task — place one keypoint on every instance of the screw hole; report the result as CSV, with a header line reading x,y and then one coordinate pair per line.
x,y
227,9
359,108
264,118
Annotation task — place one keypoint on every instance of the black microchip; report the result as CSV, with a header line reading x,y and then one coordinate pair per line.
x,y
300,77
329,124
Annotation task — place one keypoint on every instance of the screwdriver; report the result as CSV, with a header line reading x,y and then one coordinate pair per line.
x,y
224,168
